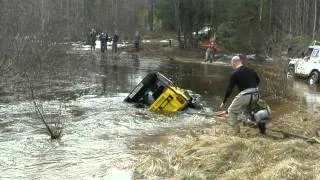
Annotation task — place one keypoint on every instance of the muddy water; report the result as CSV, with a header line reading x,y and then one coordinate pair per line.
x,y
308,96
98,126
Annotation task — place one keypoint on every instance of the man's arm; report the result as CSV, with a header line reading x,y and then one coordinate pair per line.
x,y
257,78
229,89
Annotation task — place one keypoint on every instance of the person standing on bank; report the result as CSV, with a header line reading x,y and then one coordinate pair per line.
x,y
103,40
136,41
247,81
93,38
115,40
210,52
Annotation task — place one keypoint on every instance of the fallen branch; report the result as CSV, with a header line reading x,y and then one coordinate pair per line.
x,y
39,113
311,140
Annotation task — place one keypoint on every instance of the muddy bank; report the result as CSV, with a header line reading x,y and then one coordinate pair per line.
x,y
222,156
212,152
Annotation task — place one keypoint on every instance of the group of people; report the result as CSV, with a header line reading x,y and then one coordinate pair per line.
x,y
104,38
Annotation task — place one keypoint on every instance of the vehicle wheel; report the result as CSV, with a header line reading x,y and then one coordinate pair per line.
x,y
314,78
291,70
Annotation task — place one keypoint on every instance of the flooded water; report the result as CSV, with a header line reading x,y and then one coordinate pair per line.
x,y
87,97
308,96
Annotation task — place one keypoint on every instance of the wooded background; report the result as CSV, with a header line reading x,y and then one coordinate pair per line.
x,y
248,26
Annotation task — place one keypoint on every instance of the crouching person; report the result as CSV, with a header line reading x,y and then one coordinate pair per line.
x,y
247,81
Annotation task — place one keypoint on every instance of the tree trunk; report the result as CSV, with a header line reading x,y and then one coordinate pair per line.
x,y
42,16
211,14
68,17
260,11
150,14
315,19
178,22
270,15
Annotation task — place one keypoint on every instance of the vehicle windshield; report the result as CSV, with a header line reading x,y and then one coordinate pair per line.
x,y
315,53
308,53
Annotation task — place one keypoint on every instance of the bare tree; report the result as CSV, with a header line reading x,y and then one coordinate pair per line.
x,y
315,19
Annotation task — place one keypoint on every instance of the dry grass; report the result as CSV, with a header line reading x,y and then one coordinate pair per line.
x,y
298,122
152,167
216,154
228,157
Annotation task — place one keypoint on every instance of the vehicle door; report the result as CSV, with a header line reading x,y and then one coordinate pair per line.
x,y
302,63
299,66
311,63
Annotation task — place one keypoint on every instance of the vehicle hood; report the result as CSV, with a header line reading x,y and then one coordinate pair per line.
x,y
294,60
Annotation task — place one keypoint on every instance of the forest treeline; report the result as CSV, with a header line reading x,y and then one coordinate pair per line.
x,y
244,25
249,26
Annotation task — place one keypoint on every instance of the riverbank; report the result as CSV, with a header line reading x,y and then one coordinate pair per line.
x,y
217,155
214,153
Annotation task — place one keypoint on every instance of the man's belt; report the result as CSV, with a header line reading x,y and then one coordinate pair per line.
x,y
250,91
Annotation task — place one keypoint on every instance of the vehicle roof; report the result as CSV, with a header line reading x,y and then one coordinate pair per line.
x,y
315,46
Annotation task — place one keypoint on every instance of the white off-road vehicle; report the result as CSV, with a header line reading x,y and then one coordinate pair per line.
x,y
307,67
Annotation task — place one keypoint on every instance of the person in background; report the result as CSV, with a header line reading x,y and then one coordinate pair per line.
x,y
103,40
136,41
247,81
115,40
307,55
211,50
92,39
209,53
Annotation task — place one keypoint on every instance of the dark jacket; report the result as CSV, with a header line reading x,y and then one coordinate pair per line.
x,y
115,38
104,37
243,78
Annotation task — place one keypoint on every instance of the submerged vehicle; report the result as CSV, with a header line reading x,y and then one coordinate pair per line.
x,y
161,95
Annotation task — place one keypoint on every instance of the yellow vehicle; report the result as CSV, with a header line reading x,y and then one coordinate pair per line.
x,y
171,100
159,93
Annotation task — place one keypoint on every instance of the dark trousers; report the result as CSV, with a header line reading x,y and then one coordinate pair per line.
x,y
93,44
115,47
103,46
136,45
